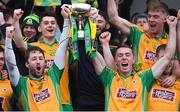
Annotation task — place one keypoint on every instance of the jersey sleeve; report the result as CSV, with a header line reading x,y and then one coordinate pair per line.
x,y
106,76
17,90
135,35
147,79
55,73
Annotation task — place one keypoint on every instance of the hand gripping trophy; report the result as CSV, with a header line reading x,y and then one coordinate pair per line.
x,y
83,27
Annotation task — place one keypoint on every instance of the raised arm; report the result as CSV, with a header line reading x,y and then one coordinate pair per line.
x,y
98,63
18,38
10,60
3,25
161,64
63,43
2,21
104,38
178,32
122,24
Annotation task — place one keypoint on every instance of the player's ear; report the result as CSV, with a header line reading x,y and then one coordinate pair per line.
x,y
107,26
39,29
134,59
27,64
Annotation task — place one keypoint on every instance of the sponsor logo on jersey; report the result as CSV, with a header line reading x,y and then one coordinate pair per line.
x,y
43,96
49,63
163,95
126,94
149,56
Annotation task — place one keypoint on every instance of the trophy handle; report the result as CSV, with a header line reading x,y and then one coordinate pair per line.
x,y
67,5
93,8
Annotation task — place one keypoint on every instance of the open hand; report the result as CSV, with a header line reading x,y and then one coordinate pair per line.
x,y
94,13
169,81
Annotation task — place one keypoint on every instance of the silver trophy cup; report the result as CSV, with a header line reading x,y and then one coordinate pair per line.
x,y
80,12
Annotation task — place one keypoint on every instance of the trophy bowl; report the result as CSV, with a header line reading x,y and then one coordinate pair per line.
x,y
80,13
80,8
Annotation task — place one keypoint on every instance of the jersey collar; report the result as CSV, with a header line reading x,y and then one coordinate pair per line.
x,y
36,79
42,41
164,35
133,72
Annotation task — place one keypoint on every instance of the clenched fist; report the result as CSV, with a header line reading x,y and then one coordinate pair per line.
x,y
18,14
105,37
171,20
10,31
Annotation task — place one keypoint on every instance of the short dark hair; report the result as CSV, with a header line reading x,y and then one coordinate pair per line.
x,y
165,7
157,5
159,48
123,45
45,14
104,15
1,49
8,13
30,49
173,12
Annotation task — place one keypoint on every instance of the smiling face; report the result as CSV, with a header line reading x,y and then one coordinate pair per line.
x,y
48,27
36,63
124,60
101,25
29,31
